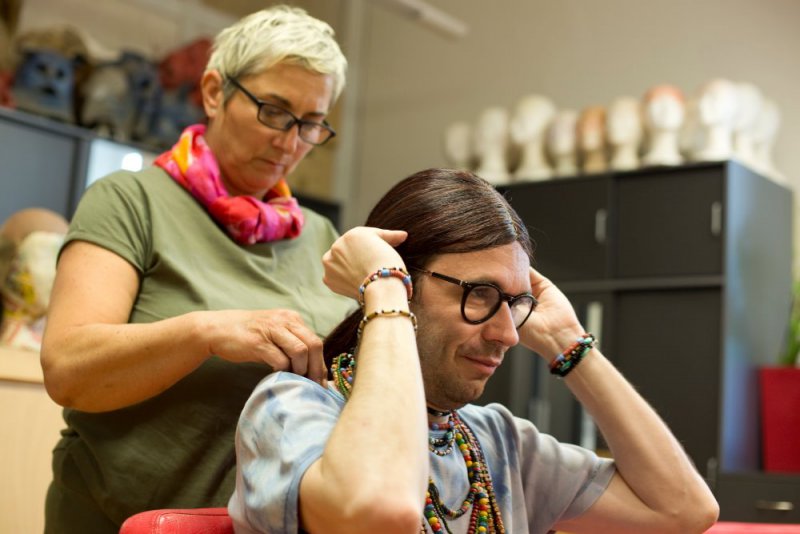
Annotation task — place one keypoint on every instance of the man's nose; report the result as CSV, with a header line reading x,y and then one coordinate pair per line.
x,y
501,328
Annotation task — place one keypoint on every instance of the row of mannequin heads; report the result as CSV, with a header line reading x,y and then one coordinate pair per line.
x,y
538,141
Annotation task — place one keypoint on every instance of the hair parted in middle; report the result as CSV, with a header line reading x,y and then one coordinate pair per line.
x,y
278,34
444,211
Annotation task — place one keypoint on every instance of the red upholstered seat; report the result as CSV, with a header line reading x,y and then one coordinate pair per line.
x,y
724,527
179,521
217,521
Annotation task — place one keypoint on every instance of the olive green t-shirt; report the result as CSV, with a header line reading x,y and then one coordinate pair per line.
x,y
176,450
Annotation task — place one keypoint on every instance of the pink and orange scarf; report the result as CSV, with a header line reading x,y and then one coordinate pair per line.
x,y
247,220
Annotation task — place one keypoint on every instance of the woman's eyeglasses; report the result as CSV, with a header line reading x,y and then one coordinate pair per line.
x,y
277,118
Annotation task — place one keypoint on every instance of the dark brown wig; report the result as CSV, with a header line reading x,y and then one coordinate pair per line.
x,y
444,211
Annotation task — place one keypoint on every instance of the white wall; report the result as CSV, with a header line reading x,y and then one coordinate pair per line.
x,y
407,83
578,52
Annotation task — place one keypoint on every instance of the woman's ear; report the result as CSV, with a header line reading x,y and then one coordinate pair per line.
x,y
211,85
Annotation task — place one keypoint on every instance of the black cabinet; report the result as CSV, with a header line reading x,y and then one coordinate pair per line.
x,y
684,274
669,225
759,497
570,231
667,345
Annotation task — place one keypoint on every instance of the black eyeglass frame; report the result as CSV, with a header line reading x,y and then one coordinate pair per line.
x,y
469,286
295,120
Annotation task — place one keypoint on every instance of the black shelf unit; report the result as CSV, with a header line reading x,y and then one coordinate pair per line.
x,y
685,275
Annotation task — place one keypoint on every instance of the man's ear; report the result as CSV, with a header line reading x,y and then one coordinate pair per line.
x,y
211,85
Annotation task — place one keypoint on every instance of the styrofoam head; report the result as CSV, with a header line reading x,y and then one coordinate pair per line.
x,y
624,121
750,101
532,116
718,103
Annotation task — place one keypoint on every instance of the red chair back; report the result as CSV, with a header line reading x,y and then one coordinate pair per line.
x,y
179,521
725,527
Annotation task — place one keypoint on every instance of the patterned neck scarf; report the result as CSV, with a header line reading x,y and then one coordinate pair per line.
x,y
247,219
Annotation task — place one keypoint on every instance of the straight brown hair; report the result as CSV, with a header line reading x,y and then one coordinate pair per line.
x,y
444,211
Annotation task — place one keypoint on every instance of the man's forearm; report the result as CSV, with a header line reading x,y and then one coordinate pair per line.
x,y
648,457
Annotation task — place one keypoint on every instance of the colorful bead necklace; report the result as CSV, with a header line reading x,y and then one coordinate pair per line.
x,y
444,445
485,515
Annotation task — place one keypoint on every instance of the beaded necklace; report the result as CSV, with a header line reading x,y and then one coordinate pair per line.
x,y
485,515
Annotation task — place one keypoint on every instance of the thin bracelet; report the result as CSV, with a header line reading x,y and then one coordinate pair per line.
x,y
570,358
386,272
385,313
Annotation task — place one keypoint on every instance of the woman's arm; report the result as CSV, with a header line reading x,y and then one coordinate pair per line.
x,y
374,469
656,488
94,361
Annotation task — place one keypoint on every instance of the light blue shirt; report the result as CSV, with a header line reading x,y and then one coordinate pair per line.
x,y
288,419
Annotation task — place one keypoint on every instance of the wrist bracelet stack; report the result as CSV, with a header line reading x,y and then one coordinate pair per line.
x,y
570,358
385,313
386,272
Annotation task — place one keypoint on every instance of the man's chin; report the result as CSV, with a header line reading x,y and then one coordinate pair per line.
x,y
467,395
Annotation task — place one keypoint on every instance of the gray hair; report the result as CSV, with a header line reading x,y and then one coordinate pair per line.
x,y
279,34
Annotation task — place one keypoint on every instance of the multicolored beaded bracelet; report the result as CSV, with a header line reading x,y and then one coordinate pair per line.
x,y
386,272
385,313
567,360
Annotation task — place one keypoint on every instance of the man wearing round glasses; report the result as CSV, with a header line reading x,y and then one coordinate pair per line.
x,y
393,443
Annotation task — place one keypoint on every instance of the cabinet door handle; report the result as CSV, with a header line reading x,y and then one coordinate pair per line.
x,y
600,217
780,506
716,218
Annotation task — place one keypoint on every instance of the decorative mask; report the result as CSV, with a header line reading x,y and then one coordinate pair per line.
x,y
44,84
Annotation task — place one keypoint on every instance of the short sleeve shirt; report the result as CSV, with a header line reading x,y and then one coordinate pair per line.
x,y
176,450
288,419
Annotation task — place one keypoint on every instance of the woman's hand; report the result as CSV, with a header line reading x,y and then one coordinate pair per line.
x,y
359,253
278,338
553,325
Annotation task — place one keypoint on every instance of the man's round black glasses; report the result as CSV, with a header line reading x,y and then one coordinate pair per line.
x,y
481,300
278,118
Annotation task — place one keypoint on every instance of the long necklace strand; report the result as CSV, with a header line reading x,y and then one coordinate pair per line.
x,y
485,514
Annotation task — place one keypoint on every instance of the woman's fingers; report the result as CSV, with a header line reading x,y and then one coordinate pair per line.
x,y
278,338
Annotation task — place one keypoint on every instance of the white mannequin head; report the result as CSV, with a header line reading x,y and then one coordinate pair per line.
x,y
718,103
749,101
491,140
458,144
528,127
562,142
664,108
664,114
562,134
531,118
491,130
624,121
715,114
625,132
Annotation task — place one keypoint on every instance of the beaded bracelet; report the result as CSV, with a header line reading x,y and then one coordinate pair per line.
x,y
570,358
386,272
385,313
